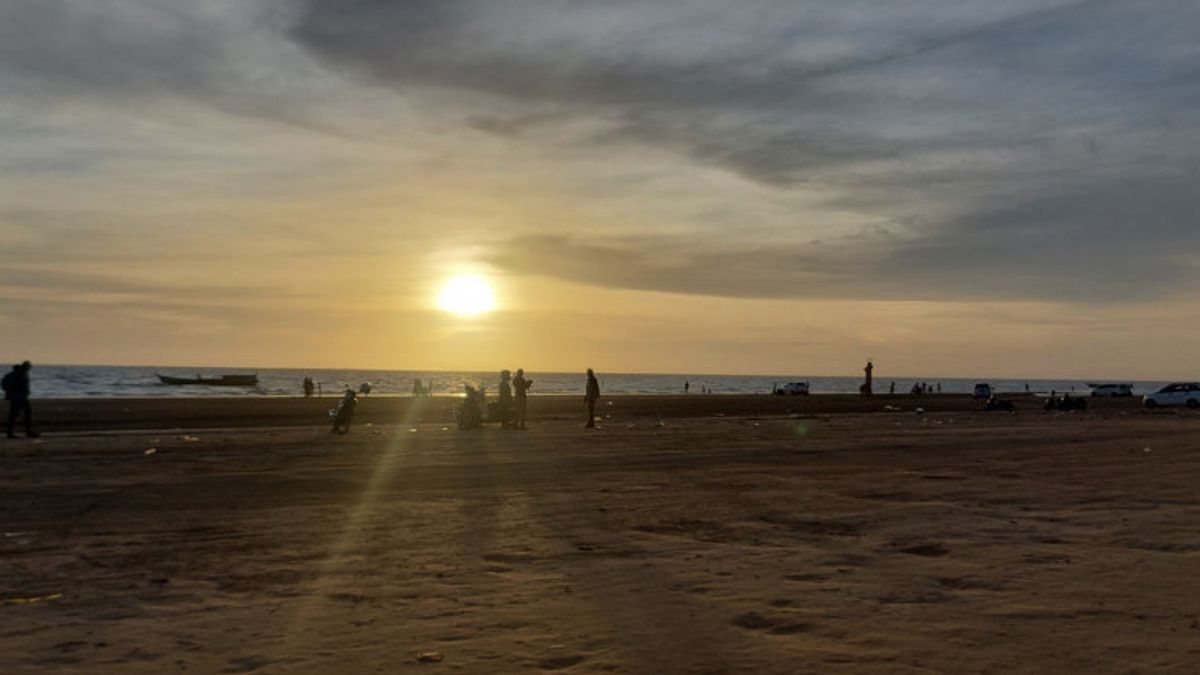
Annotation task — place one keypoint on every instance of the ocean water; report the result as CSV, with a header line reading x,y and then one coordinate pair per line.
x,y
59,381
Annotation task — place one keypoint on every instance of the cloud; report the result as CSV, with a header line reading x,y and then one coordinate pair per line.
x,y
1015,150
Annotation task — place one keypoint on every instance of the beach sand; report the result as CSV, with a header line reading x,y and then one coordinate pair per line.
x,y
950,542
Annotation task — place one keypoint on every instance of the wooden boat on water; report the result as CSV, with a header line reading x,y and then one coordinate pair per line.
x,y
222,381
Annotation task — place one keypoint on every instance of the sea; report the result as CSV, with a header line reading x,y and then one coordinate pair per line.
x,y
66,381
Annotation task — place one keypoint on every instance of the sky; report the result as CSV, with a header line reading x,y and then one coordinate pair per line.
x,y
948,187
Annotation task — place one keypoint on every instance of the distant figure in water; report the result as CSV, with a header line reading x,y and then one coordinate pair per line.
x,y
308,387
590,397
892,388
686,384
504,401
865,389
939,387
364,388
418,390
16,392
520,392
1026,387
344,413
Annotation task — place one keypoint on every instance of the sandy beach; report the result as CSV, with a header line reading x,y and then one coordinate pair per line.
x,y
813,543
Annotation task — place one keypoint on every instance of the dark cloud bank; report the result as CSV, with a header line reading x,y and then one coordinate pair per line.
x,y
1044,149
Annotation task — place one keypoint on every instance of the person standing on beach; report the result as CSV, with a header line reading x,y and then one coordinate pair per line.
x,y
521,391
865,389
504,404
16,392
590,398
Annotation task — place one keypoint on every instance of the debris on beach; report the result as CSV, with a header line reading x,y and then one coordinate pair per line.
x,y
890,408
429,656
919,411
149,451
412,430
189,439
30,600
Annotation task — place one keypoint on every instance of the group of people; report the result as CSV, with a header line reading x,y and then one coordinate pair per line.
x,y
512,402
511,407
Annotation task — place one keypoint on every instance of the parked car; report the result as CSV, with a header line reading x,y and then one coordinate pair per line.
x,y
793,389
1178,393
1112,390
982,390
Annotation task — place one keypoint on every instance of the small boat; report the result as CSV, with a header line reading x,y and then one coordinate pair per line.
x,y
222,381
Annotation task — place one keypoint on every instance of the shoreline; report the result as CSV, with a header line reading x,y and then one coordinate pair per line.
x,y
110,414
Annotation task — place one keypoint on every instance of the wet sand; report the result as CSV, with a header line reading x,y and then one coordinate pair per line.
x,y
824,543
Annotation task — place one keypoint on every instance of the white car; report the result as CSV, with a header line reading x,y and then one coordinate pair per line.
x,y
982,390
793,389
1179,393
1112,390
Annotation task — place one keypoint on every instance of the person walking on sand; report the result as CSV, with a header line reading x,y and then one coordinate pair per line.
x,y
16,392
590,398
865,389
521,391
504,404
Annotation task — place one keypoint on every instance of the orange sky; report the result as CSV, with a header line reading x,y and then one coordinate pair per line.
x,y
788,188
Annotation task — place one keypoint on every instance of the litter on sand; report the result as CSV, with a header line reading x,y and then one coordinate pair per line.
x,y
189,439
31,600
149,451
429,656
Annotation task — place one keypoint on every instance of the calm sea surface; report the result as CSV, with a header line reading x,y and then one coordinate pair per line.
x,y
108,381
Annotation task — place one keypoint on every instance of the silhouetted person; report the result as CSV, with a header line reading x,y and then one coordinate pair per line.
x,y
686,385
308,387
16,392
418,390
345,412
865,389
470,412
504,401
521,391
892,388
364,388
590,397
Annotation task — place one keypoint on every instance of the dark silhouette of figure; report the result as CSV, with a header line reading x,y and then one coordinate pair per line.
x,y
939,387
590,397
892,388
344,413
308,387
471,412
364,388
865,389
418,390
521,392
16,392
686,385
504,401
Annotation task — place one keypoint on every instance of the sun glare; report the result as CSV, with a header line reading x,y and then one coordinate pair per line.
x,y
466,296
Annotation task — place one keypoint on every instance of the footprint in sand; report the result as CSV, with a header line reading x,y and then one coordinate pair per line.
x,y
560,662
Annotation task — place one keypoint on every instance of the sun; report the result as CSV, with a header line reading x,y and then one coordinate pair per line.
x,y
467,296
